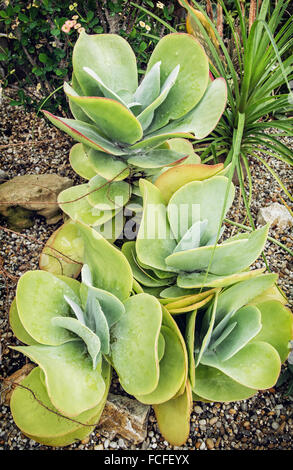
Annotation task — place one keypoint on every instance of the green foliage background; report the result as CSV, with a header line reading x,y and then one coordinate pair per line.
x,y
36,53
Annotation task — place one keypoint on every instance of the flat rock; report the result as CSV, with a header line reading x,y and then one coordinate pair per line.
x,y
124,417
275,214
23,196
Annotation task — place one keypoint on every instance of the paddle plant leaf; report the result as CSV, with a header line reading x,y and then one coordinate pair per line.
x,y
146,116
180,49
199,280
42,422
39,298
109,267
201,200
201,120
154,240
174,178
110,57
149,88
257,365
134,344
73,201
80,163
17,327
85,133
247,323
111,117
172,370
156,158
277,326
108,195
212,384
62,252
90,339
72,383
173,417
106,165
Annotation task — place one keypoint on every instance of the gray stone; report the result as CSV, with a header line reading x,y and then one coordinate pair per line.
x,y
124,417
275,214
3,176
23,196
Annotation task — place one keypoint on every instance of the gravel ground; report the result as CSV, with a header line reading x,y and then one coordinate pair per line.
x,y
260,423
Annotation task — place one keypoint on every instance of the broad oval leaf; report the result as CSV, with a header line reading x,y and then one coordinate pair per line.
x,y
180,49
172,370
39,298
110,57
134,344
73,386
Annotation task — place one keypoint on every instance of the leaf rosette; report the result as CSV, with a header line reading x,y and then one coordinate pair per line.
x,y
123,127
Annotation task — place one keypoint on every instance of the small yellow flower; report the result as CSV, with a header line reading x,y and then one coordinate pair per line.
x,y
77,26
148,28
75,5
75,17
71,7
80,30
54,44
142,24
160,5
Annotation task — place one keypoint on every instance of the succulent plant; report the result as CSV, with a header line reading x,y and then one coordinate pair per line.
x,y
76,332
237,345
177,244
66,326
122,127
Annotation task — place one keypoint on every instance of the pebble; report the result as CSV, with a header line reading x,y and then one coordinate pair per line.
x,y
210,443
197,409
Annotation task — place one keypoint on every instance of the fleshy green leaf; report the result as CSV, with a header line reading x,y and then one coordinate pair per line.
x,y
111,117
184,50
91,340
73,201
62,253
106,195
134,344
80,162
149,88
248,324
201,120
85,133
73,386
154,240
110,57
198,280
173,417
47,427
39,298
156,158
172,370
242,293
174,178
277,326
200,200
107,166
257,365
146,116
17,327
214,385
109,267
